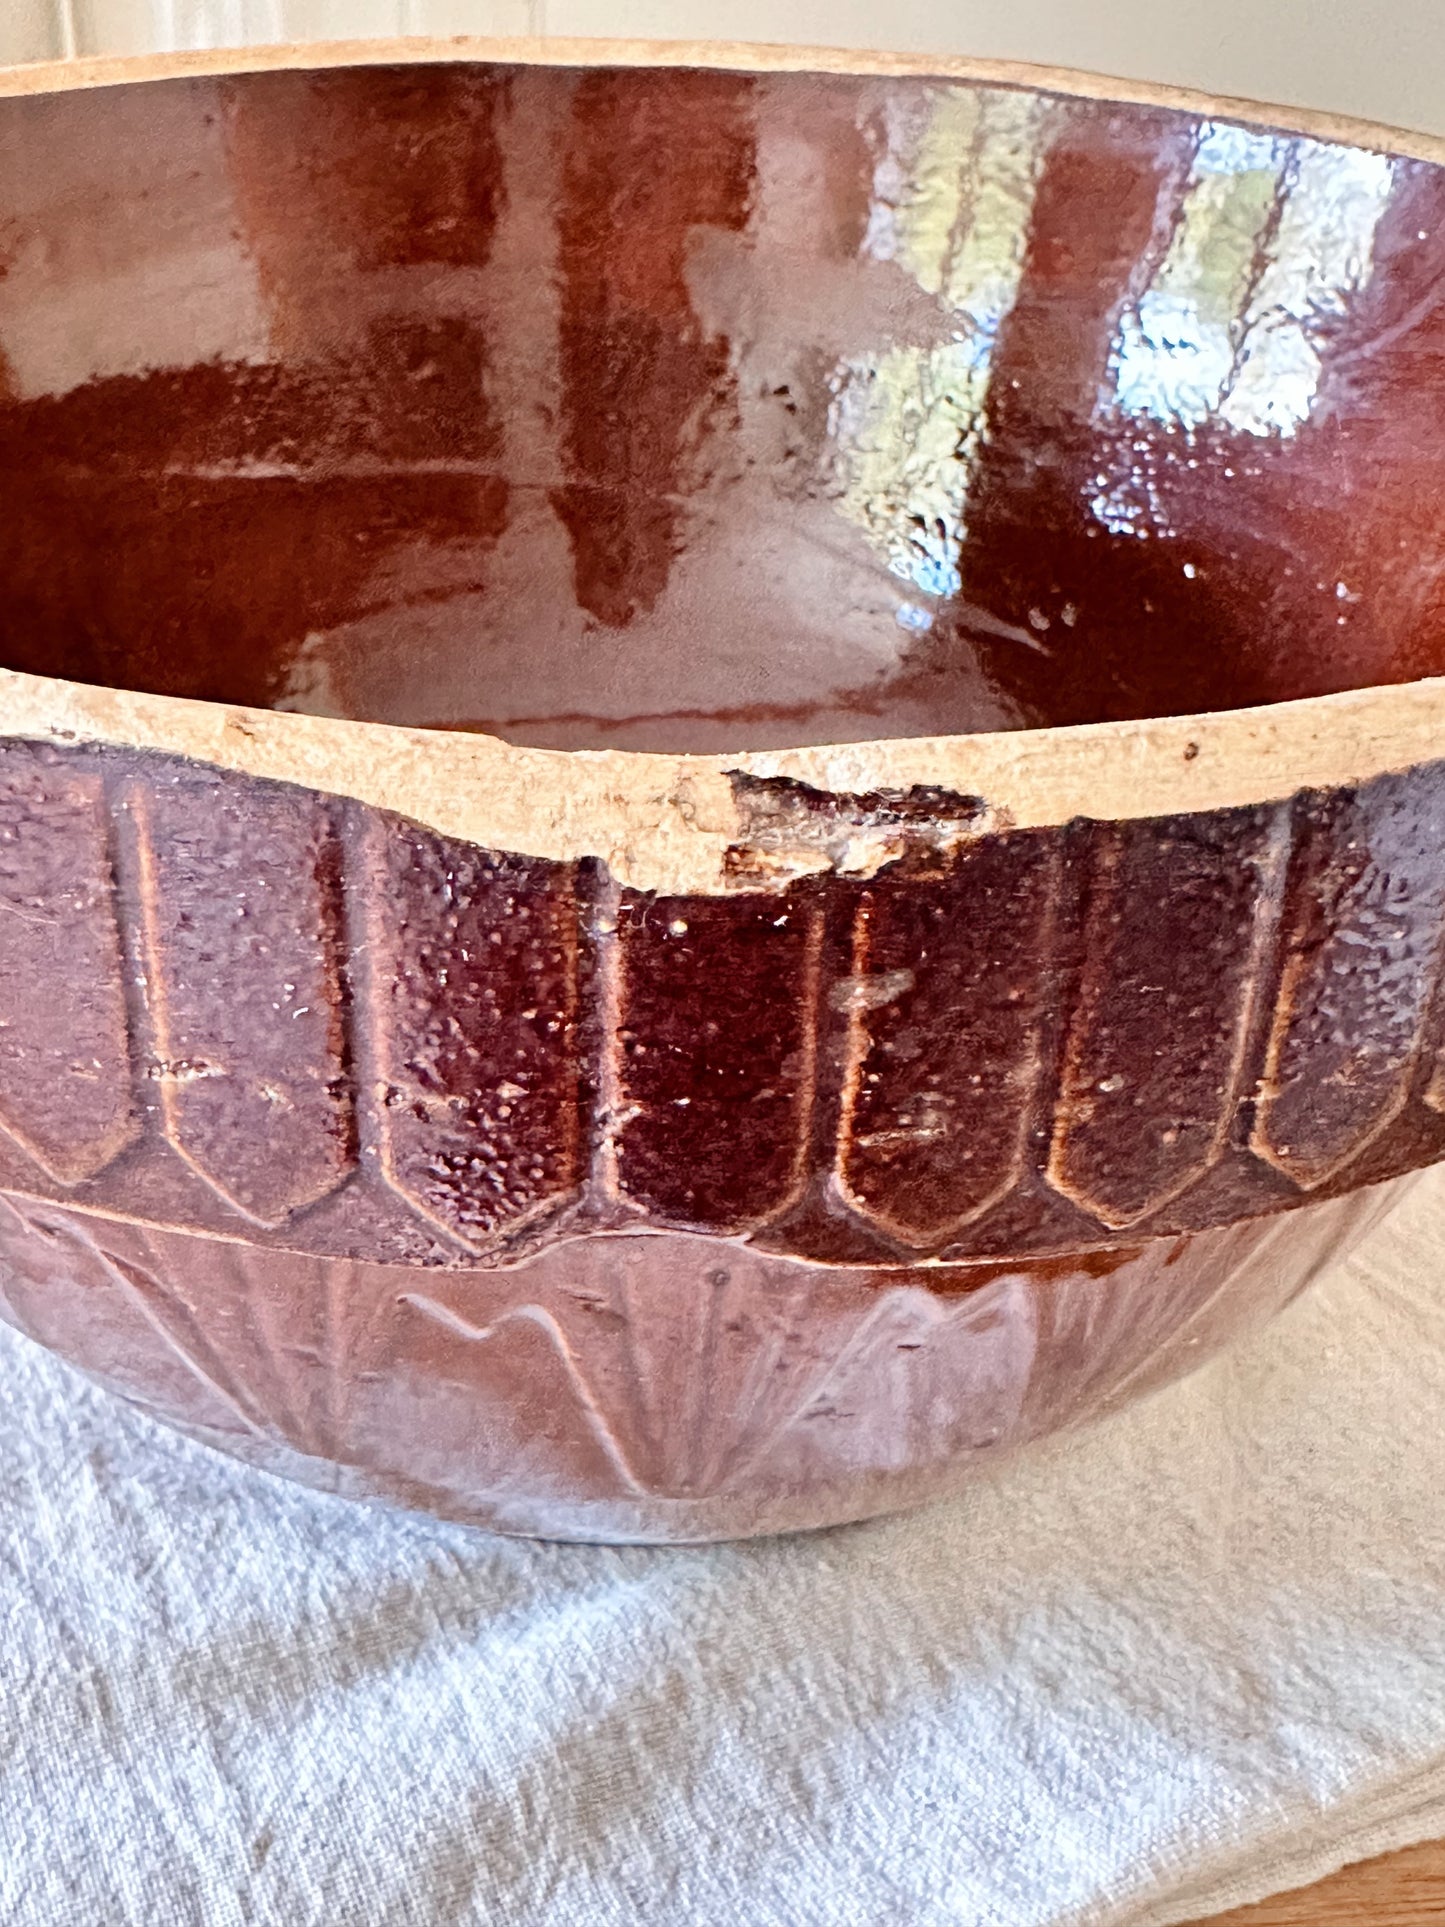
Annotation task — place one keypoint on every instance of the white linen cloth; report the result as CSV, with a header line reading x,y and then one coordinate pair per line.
x,y
1188,1657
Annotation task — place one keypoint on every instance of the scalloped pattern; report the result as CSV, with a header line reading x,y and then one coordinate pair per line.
x,y
664,1386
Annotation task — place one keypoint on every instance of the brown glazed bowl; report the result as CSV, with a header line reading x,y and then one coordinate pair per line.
x,y
719,769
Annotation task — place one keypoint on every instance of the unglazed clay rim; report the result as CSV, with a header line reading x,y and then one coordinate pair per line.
x,y
668,823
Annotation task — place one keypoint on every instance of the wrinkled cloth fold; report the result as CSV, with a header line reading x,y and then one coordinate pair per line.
x,y
1146,1671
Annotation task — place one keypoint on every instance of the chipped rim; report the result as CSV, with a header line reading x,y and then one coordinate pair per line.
x,y
674,823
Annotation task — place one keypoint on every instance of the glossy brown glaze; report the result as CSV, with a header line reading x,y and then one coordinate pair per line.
x,y
731,1143
677,409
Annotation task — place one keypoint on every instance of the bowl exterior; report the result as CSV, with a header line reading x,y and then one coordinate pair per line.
x,y
499,1188
632,1387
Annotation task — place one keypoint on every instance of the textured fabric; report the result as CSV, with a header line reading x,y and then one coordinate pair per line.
x,y
1189,1656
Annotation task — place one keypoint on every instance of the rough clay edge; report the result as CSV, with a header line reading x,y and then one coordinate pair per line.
x,y
683,825
680,825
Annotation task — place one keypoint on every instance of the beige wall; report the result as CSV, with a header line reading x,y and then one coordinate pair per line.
x,y
1381,58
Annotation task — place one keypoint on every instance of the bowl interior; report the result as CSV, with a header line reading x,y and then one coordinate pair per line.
x,y
670,409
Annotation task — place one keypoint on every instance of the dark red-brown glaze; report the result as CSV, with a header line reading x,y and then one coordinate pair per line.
x,y
222,516
598,407
471,1006
717,1017
364,169
1390,344
946,1001
1178,923
243,963
650,160
190,579
313,1024
1256,566
1107,198
1358,963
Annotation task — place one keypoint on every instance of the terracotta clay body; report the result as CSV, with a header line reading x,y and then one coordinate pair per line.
x,y
717,784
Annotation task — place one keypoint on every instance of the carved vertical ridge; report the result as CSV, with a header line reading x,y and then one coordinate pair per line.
x,y
137,805
122,845
67,1099
1105,983
807,1093
602,1030
1430,1044
236,888
357,831
1352,1015
855,1052
1020,1074
365,873
1263,960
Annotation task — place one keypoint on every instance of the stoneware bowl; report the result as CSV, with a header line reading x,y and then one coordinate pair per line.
x,y
718,767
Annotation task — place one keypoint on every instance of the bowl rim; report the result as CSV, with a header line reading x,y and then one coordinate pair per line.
x,y
727,56
678,823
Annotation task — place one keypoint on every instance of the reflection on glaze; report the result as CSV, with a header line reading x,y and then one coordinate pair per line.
x,y
1176,352
692,410
1321,255
1272,237
952,192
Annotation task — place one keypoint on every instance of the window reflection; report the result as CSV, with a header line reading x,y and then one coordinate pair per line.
x,y
952,193
1273,236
